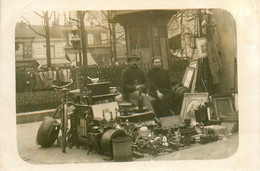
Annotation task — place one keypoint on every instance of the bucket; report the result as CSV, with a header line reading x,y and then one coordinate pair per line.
x,y
122,150
106,140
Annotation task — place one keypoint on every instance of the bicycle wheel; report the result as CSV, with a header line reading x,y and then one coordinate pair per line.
x,y
64,128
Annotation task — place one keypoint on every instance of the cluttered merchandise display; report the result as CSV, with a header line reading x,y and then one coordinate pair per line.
x,y
123,132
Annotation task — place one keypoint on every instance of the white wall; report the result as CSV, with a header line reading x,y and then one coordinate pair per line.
x,y
57,48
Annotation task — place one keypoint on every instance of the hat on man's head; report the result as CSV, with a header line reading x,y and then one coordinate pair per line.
x,y
134,56
156,57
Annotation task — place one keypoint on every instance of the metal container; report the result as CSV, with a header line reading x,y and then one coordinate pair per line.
x,y
106,140
122,150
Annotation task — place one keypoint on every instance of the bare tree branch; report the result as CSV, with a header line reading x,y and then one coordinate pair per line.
x,y
50,15
73,19
29,25
103,12
60,25
120,36
38,14
95,18
99,24
102,27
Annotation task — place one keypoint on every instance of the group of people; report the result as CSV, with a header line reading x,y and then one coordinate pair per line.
x,y
155,86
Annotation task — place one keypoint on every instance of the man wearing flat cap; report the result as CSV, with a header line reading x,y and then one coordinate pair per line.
x,y
133,81
160,88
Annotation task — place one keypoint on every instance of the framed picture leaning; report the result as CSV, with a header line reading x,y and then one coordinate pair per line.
x,y
192,101
188,77
222,105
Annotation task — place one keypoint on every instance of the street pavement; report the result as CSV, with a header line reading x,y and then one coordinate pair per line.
x,y
35,154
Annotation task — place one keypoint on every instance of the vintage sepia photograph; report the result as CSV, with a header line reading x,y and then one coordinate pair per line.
x,y
129,85
107,86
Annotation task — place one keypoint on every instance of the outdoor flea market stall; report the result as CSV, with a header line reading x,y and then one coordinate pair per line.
x,y
95,115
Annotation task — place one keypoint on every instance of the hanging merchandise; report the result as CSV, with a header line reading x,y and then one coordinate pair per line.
x,y
38,81
44,79
201,44
189,42
68,75
65,75
49,78
215,63
54,75
204,27
196,28
214,57
204,24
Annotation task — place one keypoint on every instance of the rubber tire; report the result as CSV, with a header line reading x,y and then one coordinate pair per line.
x,y
64,128
47,134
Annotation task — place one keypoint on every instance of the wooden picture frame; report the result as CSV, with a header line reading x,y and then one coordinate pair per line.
x,y
188,77
190,102
194,64
222,105
107,107
201,44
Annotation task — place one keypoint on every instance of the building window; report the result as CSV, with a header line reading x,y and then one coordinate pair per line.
x,y
90,39
19,50
104,38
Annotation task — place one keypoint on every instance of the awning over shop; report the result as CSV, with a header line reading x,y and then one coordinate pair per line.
x,y
91,60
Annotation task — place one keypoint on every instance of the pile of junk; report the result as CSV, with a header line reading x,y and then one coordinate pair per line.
x,y
131,132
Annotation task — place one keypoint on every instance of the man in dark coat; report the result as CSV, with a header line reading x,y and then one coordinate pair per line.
x,y
160,88
134,81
